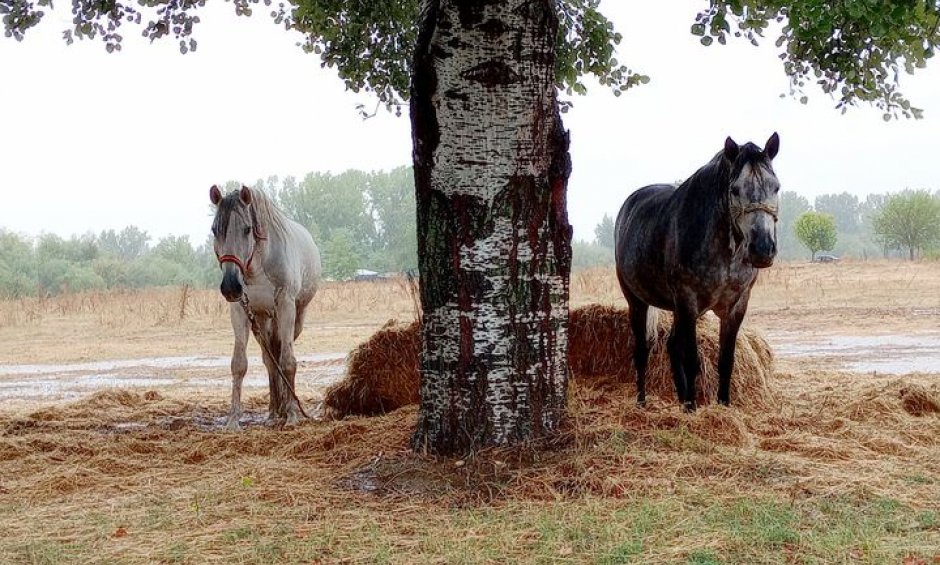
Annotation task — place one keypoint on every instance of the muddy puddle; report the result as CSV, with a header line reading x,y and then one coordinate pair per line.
x,y
69,381
889,354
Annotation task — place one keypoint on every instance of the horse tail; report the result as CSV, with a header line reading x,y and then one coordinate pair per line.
x,y
653,315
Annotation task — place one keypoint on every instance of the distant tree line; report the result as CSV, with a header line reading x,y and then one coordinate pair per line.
x,y
366,220
902,224
49,264
360,220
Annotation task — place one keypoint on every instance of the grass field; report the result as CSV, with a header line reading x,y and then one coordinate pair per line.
x,y
846,469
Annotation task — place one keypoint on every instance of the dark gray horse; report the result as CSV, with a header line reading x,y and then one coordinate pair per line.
x,y
270,272
694,248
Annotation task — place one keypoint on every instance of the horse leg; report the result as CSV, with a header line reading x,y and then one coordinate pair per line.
x,y
285,328
300,309
692,365
641,349
675,361
684,356
727,341
240,326
268,355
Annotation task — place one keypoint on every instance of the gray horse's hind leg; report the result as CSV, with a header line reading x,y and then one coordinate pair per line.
x,y
683,355
639,311
239,365
675,360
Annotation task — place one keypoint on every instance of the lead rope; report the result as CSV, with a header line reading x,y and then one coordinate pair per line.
x,y
264,347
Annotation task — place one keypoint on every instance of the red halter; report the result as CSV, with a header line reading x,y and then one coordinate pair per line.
x,y
245,267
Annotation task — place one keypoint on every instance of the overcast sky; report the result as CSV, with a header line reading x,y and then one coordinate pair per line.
x,y
91,141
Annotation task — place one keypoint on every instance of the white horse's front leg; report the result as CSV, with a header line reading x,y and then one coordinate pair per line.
x,y
240,325
286,315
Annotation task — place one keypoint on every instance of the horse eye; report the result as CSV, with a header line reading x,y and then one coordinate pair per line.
x,y
248,231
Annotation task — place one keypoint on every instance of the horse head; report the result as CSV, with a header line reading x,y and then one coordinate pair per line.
x,y
753,199
236,236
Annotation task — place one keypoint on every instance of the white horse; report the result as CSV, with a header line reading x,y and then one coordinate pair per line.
x,y
270,272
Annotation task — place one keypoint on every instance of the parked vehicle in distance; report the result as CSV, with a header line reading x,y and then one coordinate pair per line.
x,y
826,258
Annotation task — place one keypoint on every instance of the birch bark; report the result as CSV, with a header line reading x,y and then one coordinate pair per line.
x,y
494,243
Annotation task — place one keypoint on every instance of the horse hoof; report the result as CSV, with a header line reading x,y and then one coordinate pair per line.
x,y
641,403
689,407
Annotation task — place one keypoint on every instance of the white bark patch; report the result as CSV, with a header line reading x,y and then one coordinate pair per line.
x,y
486,132
492,132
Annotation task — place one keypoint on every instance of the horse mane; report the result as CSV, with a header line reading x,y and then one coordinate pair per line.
x,y
269,216
715,173
719,169
265,215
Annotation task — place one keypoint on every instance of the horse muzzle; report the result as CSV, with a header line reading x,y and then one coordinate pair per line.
x,y
762,262
762,256
231,286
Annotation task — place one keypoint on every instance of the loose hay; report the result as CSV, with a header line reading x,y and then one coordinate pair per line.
x,y
382,373
164,484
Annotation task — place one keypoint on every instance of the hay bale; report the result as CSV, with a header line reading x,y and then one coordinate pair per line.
x,y
600,342
750,381
918,401
382,373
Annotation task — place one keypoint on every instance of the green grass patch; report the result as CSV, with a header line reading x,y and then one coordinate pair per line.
x,y
685,527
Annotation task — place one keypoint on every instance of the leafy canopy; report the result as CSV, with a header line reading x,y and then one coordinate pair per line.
x,y
369,42
816,231
854,49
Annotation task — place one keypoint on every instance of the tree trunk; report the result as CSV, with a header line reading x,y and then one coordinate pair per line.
x,y
494,243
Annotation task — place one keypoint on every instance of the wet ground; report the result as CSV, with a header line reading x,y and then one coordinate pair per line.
x,y
888,354
66,382
866,354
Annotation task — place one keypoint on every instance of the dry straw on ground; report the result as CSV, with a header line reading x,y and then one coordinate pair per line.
x,y
146,465
382,373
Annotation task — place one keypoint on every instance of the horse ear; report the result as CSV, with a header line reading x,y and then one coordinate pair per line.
x,y
773,146
215,195
731,149
245,195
